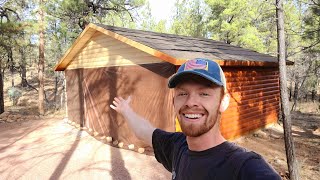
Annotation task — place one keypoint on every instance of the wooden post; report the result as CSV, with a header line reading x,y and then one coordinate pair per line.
x,y
291,159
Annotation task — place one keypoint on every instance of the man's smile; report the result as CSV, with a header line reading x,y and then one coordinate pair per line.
x,y
193,116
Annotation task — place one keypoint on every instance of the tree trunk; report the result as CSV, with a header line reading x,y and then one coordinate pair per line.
x,y
41,61
295,95
290,152
1,91
11,65
23,65
313,95
290,91
56,90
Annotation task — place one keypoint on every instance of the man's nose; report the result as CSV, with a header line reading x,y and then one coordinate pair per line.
x,y
192,101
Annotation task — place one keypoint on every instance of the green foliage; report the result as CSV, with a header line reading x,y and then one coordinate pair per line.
x,y
312,25
245,23
190,19
14,95
80,13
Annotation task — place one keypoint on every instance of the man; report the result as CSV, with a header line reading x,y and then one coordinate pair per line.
x,y
200,152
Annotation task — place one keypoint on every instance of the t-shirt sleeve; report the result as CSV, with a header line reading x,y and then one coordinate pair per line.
x,y
163,146
257,169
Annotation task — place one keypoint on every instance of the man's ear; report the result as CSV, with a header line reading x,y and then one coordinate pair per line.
x,y
224,103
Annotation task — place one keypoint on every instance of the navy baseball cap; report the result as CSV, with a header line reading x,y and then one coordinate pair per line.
x,y
205,68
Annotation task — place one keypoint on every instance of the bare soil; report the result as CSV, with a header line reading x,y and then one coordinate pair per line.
x,y
43,147
269,143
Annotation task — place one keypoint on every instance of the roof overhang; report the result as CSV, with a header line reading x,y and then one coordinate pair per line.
x,y
92,29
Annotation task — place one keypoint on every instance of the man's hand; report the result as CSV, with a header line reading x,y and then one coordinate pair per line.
x,y
121,105
140,126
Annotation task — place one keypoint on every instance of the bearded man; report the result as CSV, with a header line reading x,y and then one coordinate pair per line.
x,y
200,152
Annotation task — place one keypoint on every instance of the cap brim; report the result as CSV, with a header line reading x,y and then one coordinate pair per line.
x,y
175,79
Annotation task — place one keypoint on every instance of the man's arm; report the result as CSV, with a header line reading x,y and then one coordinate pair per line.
x,y
140,126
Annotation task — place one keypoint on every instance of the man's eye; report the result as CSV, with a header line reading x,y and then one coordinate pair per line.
x,y
182,94
204,94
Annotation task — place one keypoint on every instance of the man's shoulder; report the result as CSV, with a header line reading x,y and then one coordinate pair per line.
x,y
249,164
258,168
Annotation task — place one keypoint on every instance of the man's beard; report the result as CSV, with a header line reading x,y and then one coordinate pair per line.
x,y
196,130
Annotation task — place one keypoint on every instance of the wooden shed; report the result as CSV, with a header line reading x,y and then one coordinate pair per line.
x,y
107,61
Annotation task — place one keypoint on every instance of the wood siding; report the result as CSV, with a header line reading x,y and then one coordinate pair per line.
x,y
105,51
254,100
91,91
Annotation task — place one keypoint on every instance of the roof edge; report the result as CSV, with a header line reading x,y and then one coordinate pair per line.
x,y
138,45
233,63
67,57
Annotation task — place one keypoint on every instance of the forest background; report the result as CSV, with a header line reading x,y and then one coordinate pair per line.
x,y
34,34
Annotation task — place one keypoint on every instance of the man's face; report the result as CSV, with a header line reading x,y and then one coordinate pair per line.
x,y
197,107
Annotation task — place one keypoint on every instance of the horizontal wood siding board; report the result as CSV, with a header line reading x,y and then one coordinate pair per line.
x,y
135,44
247,122
254,96
105,51
244,113
98,57
103,63
251,70
251,83
234,133
251,77
264,99
258,124
110,44
250,90
110,51
255,86
239,98
107,48
74,49
253,74
252,103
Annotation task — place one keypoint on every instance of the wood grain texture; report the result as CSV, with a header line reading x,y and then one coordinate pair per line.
x,y
254,100
103,51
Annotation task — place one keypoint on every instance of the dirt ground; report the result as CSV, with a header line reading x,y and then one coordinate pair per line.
x,y
50,148
269,142
47,147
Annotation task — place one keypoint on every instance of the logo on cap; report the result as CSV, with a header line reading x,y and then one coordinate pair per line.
x,y
196,64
